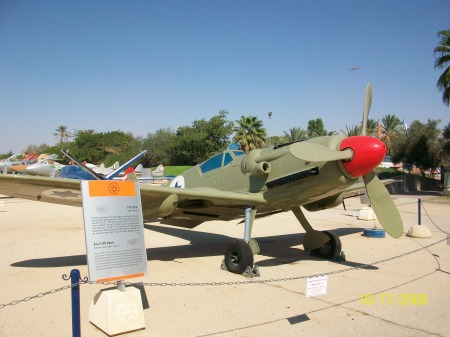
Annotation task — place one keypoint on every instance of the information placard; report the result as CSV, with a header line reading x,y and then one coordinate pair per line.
x,y
316,286
114,229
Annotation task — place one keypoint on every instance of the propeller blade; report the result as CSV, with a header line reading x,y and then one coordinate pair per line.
x,y
309,151
383,206
367,105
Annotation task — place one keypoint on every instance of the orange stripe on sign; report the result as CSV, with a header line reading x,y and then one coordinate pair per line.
x,y
111,188
118,278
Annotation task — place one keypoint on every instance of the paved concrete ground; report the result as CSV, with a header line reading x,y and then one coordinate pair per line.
x,y
41,242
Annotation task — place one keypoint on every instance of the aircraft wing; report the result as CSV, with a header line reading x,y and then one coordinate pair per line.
x,y
52,190
359,188
187,207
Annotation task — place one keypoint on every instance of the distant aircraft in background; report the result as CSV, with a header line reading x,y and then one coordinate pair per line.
x,y
21,168
89,172
148,173
47,167
15,159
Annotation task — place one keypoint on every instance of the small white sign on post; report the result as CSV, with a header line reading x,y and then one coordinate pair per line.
x,y
316,286
114,230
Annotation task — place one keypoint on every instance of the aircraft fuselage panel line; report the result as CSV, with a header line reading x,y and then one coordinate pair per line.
x,y
293,177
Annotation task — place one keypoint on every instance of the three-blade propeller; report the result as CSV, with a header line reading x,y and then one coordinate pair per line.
x,y
360,156
379,197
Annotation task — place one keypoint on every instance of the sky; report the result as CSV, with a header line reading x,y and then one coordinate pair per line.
x,y
140,66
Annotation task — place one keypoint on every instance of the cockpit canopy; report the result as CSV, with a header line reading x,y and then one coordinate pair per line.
x,y
220,160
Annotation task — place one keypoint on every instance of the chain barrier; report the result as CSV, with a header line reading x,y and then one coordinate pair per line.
x,y
426,212
29,298
206,284
423,206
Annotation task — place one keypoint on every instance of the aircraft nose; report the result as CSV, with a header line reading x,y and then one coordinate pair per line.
x,y
368,153
31,169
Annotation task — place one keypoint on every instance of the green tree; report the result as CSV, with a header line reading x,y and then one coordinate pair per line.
x,y
354,130
159,147
372,127
86,146
391,124
442,53
249,133
62,134
119,146
446,145
6,155
106,148
316,129
420,145
274,140
194,144
296,134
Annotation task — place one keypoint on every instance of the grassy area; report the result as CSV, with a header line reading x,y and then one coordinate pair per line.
x,y
387,173
173,170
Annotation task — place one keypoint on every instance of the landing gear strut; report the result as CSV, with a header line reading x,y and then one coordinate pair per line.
x,y
324,244
239,253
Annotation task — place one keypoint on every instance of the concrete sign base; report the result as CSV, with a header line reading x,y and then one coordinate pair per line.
x,y
419,231
117,312
367,213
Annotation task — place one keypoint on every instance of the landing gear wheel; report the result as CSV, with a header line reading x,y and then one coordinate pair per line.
x,y
238,256
330,249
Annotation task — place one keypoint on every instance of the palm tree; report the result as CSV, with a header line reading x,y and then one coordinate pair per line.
x,y
296,134
442,61
316,129
249,133
354,130
62,134
391,124
372,127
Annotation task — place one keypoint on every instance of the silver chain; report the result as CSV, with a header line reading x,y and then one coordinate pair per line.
x,y
231,283
29,298
363,266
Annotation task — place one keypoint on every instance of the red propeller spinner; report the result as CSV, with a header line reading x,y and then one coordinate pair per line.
x,y
368,152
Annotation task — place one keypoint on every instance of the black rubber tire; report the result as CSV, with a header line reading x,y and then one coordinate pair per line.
x,y
329,249
238,256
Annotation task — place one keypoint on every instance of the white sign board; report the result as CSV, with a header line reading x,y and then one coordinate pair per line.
x,y
316,286
114,229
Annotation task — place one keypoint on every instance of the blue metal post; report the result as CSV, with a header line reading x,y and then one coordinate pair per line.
x,y
419,204
75,282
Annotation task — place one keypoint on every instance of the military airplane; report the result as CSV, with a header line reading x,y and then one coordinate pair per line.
x,y
89,172
47,167
315,174
5,164
32,159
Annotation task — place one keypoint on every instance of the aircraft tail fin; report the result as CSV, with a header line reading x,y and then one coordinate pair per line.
x,y
91,171
139,168
110,176
53,156
116,172
130,174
